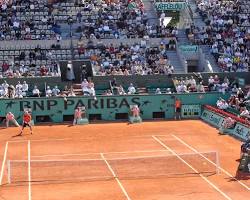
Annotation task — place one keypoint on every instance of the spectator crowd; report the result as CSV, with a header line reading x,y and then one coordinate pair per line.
x,y
23,90
124,59
91,19
227,31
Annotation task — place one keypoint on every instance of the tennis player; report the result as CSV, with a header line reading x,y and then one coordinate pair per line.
x,y
26,122
11,118
135,111
177,109
78,114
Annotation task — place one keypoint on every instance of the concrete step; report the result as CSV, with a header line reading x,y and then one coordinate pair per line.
x,y
174,60
151,12
210,58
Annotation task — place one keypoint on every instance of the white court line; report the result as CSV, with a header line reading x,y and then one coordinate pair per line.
x,y
3,163
78,139
85,154
41,140
223,170
99,159
112,159
29,170
191,167
117,180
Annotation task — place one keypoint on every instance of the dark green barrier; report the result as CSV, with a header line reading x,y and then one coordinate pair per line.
x,y
212,118
240,131
107,107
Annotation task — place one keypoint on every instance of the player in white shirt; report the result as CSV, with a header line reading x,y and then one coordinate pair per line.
x,y
48,92
55,91
245,113
25,88
36,92
131,89
84,86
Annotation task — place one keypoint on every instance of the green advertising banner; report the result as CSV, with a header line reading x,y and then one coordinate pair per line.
x,y
107,107
212,118
241,131
191,111
189,48
175,6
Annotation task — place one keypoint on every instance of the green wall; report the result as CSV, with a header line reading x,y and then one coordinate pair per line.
x,y
107,106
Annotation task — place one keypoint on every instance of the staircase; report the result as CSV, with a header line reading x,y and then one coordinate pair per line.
x,y
65,29
77,89
210,58
198,22
151,12
174,60
182,37
196,16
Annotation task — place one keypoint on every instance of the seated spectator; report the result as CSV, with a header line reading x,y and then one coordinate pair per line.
x,y
235,90
48,92
11,91
192,88
19,93
232,101
36,92
25,88
224,87
240,94
211,83
181,88
55,91
245,113
2,91
91,88
121,91
168,91
108,93
222,104
200,87
43,71
158,91
192,81
19,86
84,86
131,89
216,82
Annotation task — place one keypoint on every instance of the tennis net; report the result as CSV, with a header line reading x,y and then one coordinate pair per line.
x,y
109,167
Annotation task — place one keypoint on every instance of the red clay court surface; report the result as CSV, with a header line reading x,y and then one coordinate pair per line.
x,y
151,139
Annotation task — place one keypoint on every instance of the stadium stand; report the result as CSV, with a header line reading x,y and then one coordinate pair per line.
x,y
226,31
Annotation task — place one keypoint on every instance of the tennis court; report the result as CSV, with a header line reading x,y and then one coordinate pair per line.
x,y
152,160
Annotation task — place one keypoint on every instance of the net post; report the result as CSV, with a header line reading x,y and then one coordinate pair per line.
x,y
8,171
217,163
